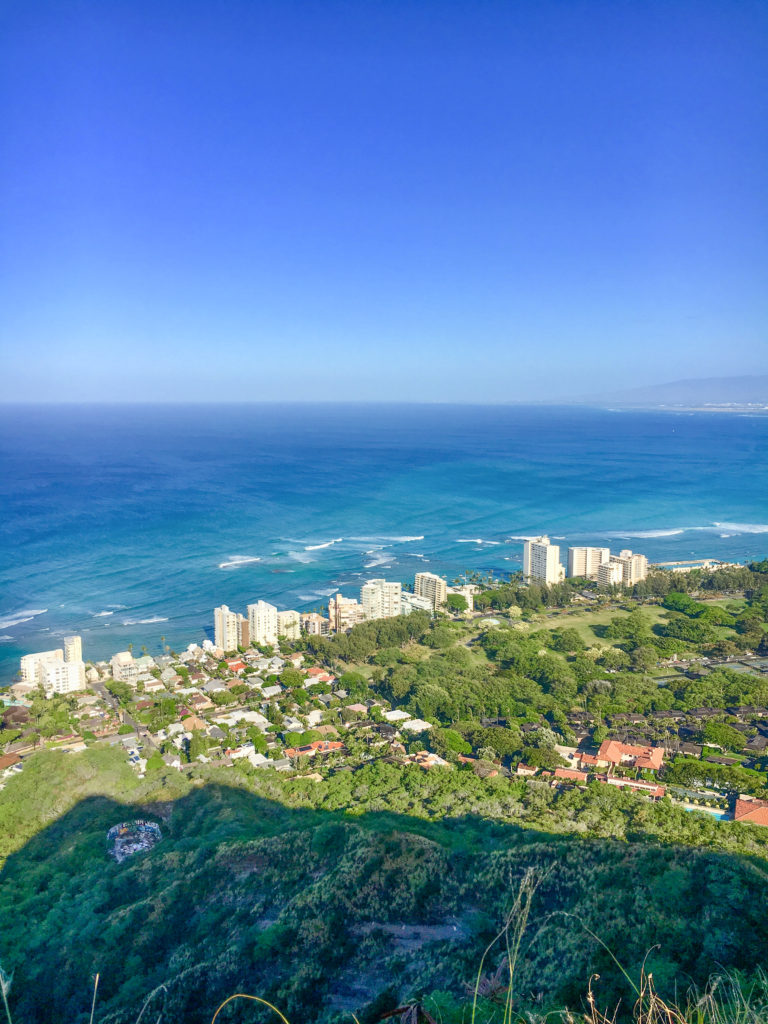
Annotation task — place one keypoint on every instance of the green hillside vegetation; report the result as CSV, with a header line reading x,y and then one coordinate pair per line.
x,y
381,882
270,886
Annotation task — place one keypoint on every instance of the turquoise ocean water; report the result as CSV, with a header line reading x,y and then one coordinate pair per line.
x,y
128,524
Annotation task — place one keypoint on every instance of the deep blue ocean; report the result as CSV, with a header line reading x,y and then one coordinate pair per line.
x,y
128,524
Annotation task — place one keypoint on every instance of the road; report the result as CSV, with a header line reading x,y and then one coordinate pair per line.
x,y
112,702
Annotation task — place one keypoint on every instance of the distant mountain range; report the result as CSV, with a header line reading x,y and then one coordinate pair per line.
x,y
715,392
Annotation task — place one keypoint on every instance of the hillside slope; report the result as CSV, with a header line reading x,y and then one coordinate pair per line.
x,y
324,912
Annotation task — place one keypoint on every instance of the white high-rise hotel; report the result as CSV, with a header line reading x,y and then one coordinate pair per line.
x,y
262,622
228,629
380,599
432,587
584,562
541,561
626,568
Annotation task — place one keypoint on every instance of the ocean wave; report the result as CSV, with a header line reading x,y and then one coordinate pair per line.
x,y
145,622
379,558
327,544
743,527
386,540
5,639
477,540
101,615
301,556
25,615
316,595
648,534
528,536
235,561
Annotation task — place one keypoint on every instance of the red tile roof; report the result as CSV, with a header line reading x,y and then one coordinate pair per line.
x,y
318,747
570,773
754,811
644,757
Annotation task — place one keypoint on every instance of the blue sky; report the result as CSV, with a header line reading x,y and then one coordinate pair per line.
x,y
480,201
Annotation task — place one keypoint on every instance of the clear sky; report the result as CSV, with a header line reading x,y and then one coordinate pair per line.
x,y
483,201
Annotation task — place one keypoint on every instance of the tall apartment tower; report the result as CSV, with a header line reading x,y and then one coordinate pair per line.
x,y
262,623
380,599
227,628
289,625
541,561
344,613
73,648
584,562
434,588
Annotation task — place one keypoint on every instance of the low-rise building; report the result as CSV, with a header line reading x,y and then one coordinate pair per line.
x,y
414,603
314,624
124,667
59,677
31,665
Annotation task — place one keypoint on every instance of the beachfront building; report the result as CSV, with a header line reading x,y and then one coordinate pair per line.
x,y
314,624
73,648
431,586
124,667
413,603
31,665
262,623
541,561
58,677
634,567
380,599
289,625
228,629
344,613
585,562
624,569
610,574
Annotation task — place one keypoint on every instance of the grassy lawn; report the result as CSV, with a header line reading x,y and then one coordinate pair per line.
x,y
583,620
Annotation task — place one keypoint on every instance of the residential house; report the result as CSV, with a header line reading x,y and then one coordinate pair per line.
x,y
614,753
311,749
749,809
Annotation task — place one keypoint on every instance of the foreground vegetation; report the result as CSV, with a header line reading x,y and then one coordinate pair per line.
x,y
372,884
272,887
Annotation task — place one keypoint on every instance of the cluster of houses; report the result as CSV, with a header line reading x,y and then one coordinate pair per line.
x,y
602,766
220,699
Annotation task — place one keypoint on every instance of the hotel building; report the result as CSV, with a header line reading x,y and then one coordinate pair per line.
x,y
434,588
228,629
380,599
541,561
262,623
584,562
